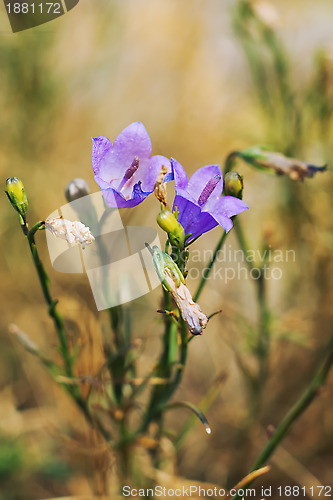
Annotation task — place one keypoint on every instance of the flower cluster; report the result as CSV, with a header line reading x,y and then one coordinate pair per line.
x,y
127,173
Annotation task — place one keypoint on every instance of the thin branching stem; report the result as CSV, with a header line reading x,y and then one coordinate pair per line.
x,y
297,409
208,269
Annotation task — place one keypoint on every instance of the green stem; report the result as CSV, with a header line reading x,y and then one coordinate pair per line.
x,y
297,409
263,343
58,321
230,162
52,304
208,269
243,244
161,394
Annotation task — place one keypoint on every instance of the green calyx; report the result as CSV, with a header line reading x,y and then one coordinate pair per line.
x,y
169,223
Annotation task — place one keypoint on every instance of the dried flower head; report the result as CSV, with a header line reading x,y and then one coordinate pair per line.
x,y
73,232
279,164
190,311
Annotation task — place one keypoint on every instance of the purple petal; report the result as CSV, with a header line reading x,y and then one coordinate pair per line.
x,y
111,162
114,198
101,149
179,174
105,163
229,206
226,207
200,179
192,218
132,141
149,170
200,225
188,211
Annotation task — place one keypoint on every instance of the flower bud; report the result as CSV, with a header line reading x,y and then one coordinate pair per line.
x,y
16,195
76,189
168,222
233,185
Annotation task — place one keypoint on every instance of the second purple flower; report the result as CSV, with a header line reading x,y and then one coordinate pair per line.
x,y
199,200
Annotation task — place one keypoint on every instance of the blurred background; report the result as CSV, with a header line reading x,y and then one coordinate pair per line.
x,y
206,79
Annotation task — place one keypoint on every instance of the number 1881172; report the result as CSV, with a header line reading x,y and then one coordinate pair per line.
x,y
34,8
298,491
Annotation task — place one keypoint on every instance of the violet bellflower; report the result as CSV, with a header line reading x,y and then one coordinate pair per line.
x,y
125,170
199,202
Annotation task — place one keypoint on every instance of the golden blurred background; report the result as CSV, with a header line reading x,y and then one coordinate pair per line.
x,y
181,68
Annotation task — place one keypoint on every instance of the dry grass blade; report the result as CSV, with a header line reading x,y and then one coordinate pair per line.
x,y
250,477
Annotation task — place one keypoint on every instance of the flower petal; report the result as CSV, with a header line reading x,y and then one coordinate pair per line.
x,y
229,206
132,141
200,179
192,218
111,162
224,222
179,174
149,170
226,207
187,209
200,225
115,199
100,152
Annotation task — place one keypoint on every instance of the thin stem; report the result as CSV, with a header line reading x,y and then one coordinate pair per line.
x,y
52,304
297,409
208,269
58,321
230,162
243,243
263,344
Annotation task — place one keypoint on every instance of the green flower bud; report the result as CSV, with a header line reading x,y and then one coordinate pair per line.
x,y
233,185
76,189
168,222
16,195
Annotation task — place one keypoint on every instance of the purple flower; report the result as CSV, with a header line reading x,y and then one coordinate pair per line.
x,y
125,171
199,202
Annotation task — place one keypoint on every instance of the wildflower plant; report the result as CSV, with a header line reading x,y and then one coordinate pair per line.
x,y
126,173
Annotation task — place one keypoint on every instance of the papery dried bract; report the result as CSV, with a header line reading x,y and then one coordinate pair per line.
x,y
190,311
73,232
160,187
